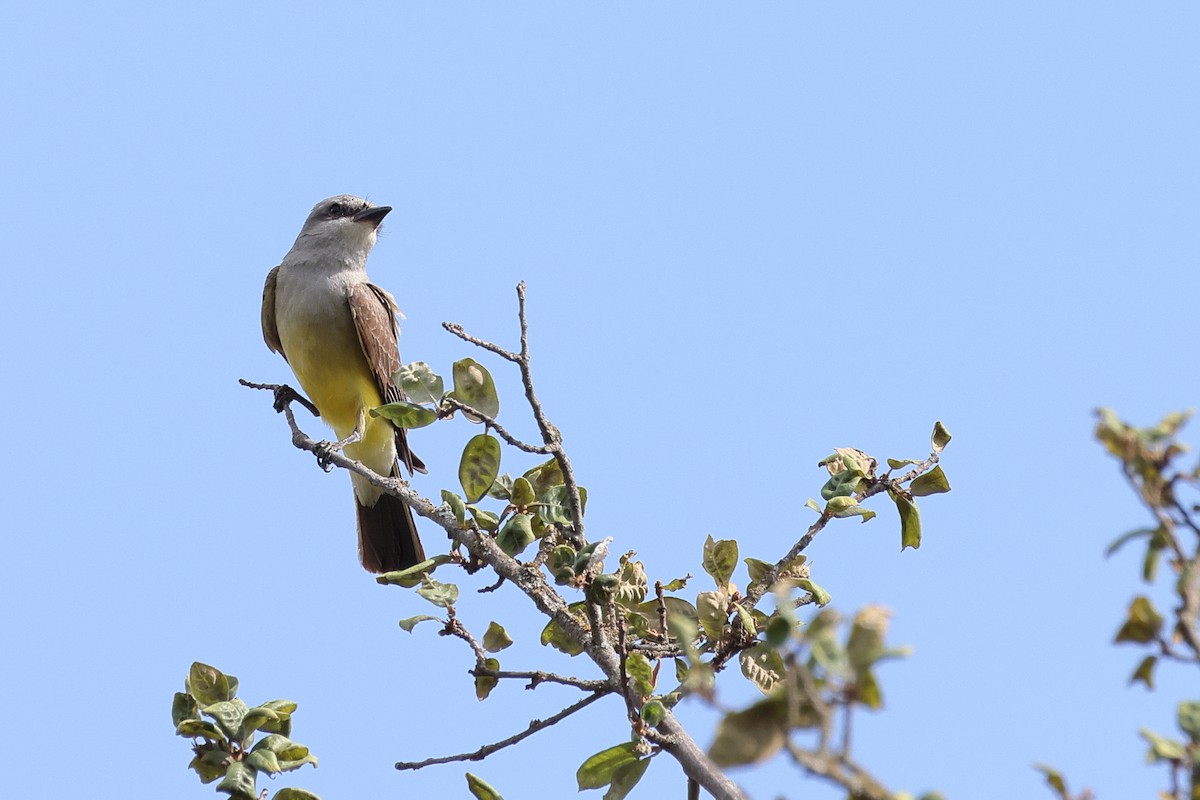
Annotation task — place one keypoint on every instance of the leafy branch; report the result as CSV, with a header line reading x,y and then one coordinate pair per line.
x,y
224,748
811,677
1149,459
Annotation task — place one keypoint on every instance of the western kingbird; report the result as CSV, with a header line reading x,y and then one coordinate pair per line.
x,y
338,332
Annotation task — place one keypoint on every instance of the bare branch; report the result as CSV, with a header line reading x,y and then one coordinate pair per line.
x,y
537,677
840,770
461,333
485,751
455,628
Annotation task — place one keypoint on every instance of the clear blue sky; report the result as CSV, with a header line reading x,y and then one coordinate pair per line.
x,y
751,233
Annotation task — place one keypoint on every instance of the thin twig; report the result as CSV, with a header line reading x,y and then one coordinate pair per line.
x,y
455,628
461,333
842,771
537,677
490,422
485,751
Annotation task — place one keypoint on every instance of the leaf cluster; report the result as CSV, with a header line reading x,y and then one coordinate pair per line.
x,y
224,746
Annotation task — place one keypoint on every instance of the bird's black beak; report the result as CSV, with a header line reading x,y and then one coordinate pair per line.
x,y
373,215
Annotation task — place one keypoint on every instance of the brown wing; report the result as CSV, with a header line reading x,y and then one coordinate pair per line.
x,y
374,312
270,326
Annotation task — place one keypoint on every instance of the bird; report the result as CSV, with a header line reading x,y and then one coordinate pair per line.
x,y
339,334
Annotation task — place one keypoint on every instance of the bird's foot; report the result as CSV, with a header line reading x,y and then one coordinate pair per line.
x,y
324,452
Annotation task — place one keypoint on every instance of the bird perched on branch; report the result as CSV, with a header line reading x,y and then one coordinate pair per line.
x,y
338,332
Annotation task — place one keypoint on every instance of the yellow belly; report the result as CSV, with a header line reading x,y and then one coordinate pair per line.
x,y
333,372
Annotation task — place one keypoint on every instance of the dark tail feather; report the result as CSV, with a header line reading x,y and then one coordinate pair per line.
x,y
387,536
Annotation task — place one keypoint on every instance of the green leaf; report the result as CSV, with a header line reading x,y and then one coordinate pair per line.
x,y
473,385
292,793
264,761
522,492
1154,549
479,466
843,507
481,790
484,519
932,482
814,505
1127,537
940,437
780,627
496,638
554,508
228,715
598,770
411,576
404,414
408,623
910,521
763,666
200,729
653,712
676,584
545,476
1145,672
846,483
211,764
898,463
1054,779
1189,720
283,747
457,506
208,684
501,488
1143,624
751,736
1162,748
638,668
440,594
258,718
419,383
677,609
720,559
867,690
710,608
239,781
757,568
827,650
485,683
557,637
592,556
183,706
603,588
625,778
820,596
516,535
562,563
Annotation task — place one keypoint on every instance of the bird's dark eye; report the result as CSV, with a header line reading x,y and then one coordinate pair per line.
x,y
336,210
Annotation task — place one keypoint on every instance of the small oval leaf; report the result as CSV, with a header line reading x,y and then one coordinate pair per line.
x,y
404,414
479,466
473,386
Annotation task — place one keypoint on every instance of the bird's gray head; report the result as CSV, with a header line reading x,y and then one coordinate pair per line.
x,y
343,222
